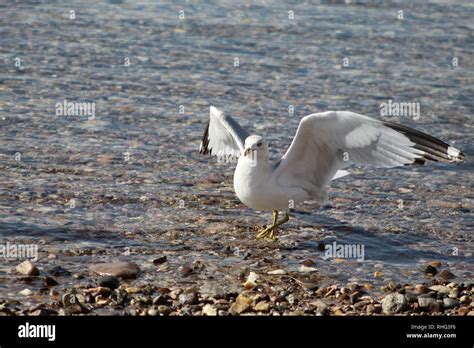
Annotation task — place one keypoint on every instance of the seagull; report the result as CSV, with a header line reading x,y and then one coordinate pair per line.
x,y
324,144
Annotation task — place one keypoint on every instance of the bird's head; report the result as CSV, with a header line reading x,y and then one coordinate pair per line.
x,y
255,147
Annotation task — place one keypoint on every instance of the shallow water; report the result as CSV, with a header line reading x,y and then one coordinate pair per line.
x,y
161,200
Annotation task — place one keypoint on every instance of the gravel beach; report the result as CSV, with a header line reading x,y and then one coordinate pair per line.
x,y
129,219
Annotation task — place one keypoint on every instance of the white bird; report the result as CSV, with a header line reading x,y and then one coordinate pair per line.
x,y
325,143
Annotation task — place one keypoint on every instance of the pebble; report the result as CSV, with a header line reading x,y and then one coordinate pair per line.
x,y
277,272
160,260
445,274
250,283
241,304
27,268
109,281
26,292
306,269
188,298
165,310
428,303
464,299
124,270
377,274
394,303
450,303
209,310
262,306
435,264
421,289
454,293
48,281
428,269
186,271
463,311
440,288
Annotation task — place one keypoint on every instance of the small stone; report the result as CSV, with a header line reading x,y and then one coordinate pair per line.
x,y
26,292
465,299
165,310
428,269
370,309
361,304
428,303
394,303
445,274
152,312
470,314
277,272
209,310
262,306
440,288
454,293
450,303
188,298
109,281
463,311
27,268
241,304
160,260
435,264
309,263
101,300
250,283
421,289
368,286
186,271
411,297
377,274
103,291
306,269
124,270
48,281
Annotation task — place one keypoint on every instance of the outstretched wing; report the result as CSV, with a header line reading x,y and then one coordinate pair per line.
x,y
223,135
327,142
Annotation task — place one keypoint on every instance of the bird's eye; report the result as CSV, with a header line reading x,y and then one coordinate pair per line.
x,y
259,144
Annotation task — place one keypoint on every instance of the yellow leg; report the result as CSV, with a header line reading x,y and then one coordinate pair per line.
x,y
285,219
269,232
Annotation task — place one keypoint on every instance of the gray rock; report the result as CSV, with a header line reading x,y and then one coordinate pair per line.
x,y
124,270
429,304
108,281
190,298
450,303
27,268
394,303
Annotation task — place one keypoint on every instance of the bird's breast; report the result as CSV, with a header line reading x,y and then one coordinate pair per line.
x,y
253,186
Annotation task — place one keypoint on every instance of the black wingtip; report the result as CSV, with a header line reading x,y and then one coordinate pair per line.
x,y
435,150
204,148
